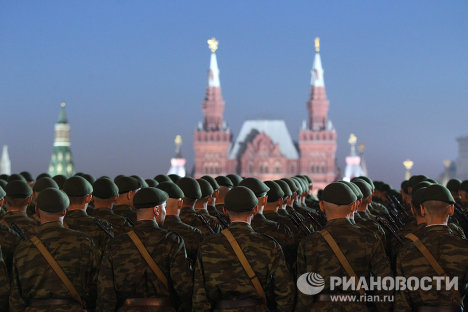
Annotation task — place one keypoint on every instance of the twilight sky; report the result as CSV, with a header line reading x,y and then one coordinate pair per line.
x,y
133,74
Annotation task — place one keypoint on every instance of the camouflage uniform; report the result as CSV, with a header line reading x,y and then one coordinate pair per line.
x,y
189,216
119,223
4,284
363,250
220,276
219,215
191,235
125,211
34,279
99,230
9,239
213,221
449,251
280,232
125,274
26,224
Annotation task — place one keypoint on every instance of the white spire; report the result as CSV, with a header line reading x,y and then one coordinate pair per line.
x,y
316,79
317,72
213,76
5,164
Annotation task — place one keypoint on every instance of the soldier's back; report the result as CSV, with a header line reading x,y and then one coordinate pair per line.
x,y
125,211
9,239
125,275
189,216
219,276
27,224
191,235
450,251
119,223
99,230
34,281
363,250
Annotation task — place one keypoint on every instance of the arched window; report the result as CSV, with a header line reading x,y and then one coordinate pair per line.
x,y
312,169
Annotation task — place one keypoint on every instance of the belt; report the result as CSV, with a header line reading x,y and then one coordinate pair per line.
x,y
439,309
241,303
147,302
51,302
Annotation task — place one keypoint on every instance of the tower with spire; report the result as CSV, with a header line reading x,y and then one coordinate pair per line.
x,y
353,161
212,138
178,162
61,161
5,163
317,137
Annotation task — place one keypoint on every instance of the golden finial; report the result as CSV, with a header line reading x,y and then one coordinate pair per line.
x,y
447,163
63,104
352,139
317,44
408,164
213,44
178,140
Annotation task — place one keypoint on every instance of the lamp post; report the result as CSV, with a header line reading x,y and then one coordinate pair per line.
x,y
408,165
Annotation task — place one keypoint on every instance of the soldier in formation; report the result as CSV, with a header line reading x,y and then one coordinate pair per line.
x,y
121,229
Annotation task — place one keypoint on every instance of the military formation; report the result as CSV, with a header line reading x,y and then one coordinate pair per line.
x,y
228,243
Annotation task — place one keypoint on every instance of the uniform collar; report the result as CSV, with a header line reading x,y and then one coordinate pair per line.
x,y
240,225
50,225
144,224
172,219
339,221
76,212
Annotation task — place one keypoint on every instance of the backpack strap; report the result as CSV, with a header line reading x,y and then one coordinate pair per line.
x,y
341,257
245,264
144,253
57,269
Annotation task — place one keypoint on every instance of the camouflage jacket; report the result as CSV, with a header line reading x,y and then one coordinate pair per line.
x,y
119,224
99,230
191,235
304,220
4,284
9,239
189,216
449,251
363,220
127,212
220,276
219,215
125,274
215,224
363,250
26,224
34,279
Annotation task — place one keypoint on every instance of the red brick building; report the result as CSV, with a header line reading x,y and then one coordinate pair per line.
x,y
264,148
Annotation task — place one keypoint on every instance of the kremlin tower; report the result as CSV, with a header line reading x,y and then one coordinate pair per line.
x,y
212,138
61,161
317,139
5,163
353,162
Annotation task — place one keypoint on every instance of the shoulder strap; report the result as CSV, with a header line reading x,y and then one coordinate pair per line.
x,y
57,269
245,264
105,226
144,253
341,257
426,253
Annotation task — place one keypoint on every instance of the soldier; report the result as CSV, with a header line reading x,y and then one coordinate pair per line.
x,y
145,269
191,235
453,186
4,284
79,192
36,285
463,213
220,216
41,184
28,177
362,249
128,186
18,197
433,251
105,194
60,179
151,182
162,178
201,206
225,184
306,225
9,239
192,193
221,280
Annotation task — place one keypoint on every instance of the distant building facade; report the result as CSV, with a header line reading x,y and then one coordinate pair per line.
x,y
61,161
264,148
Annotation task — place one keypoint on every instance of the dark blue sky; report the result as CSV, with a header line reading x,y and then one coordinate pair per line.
x,y
134,74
